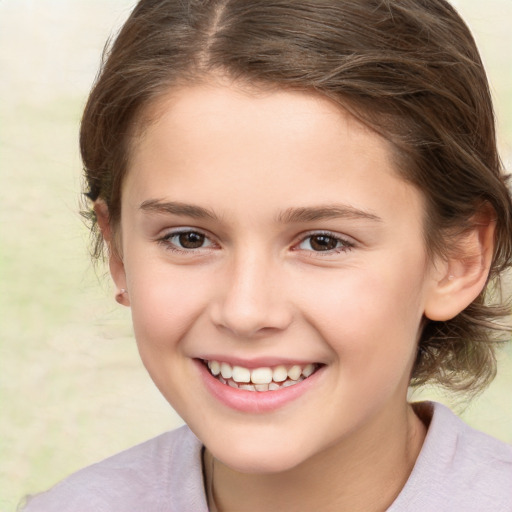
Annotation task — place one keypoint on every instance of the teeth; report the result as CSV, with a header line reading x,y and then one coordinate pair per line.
x,y
260,379
241,374
295,372
226,371
280,374
214,367
308,370
261,376
289,383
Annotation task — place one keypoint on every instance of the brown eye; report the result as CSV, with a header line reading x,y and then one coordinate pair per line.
x,y
323,242
191,240
186,242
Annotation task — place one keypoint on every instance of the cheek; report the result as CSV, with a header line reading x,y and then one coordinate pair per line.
x,y
368,316
372,329
165,301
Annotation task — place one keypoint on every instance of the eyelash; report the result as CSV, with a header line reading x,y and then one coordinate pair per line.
x,y
166,241
345,245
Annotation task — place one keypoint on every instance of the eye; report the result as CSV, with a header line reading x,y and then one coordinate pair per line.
x,y
188,240
325,242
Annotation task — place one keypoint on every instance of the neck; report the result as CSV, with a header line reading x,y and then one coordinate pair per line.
x,y
363,474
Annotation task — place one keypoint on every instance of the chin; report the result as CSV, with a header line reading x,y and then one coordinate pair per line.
x,y
256,458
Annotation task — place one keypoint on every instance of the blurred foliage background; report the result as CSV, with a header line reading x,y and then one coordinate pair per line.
x,y
72,388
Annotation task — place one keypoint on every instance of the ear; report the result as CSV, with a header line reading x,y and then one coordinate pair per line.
x,y
460,278
115,259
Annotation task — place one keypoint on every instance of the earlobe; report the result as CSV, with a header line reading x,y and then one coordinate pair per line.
x,y
122,297
458,280
115,260
119,277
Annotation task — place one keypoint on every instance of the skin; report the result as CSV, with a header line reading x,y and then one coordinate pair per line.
x,y
257,288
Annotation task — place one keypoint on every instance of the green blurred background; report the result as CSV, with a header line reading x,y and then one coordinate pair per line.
x,y
72,388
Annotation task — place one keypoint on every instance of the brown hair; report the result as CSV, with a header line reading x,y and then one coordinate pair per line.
x,y
409,69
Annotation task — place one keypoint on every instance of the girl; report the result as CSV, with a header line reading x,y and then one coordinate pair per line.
x,y
304,209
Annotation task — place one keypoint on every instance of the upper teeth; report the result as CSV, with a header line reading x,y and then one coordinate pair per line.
x,y
263,375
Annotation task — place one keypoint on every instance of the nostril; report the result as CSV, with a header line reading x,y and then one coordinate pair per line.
x,y
251,320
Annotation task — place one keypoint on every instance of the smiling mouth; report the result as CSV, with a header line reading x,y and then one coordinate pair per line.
x,y
260,379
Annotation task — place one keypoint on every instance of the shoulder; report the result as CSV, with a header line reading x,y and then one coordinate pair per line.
x,y
459,468
159,474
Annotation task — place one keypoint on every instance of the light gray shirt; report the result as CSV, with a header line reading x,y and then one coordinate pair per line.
x,y
458,469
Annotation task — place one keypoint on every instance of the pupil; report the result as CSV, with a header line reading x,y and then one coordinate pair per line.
x,y
191,240
323,243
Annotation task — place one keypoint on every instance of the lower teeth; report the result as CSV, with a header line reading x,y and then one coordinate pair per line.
x,y
273,386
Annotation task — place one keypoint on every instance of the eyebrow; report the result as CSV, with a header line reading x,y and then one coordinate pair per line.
x,y
177,208
288,216
311,214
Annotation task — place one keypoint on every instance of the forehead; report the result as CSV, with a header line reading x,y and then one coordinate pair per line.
x,y
290,148
255,113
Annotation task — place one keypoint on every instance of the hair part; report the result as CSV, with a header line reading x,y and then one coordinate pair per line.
x,y
408,69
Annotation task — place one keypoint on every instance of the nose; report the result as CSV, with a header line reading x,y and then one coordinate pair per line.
x,y
252,301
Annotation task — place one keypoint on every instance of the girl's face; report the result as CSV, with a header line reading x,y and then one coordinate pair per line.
x,y
269,232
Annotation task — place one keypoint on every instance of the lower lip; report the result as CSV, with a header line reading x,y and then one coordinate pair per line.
x,y
255,401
